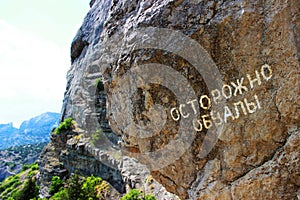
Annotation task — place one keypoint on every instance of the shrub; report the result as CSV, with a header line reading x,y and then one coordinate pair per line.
x,y
99,84
79,188
135,194
95,188
64,126
9,183
56,184
32,173
149,197
25,167
102,190
33,166
75,183
75,188
89,185
30,190
95,137
132,195
61,195
15,189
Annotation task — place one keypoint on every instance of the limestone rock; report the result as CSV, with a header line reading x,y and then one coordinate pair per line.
x,y
255,51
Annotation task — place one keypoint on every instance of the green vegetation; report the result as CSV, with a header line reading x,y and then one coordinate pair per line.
x,y
56,184
61,195
64,126
33,170
135,194
12,159
21,186
10,182
74,187
80,188
30,190
33,167
95,137
99,84
95,188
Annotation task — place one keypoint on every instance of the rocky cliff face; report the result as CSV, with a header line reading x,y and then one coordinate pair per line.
x,y
202,95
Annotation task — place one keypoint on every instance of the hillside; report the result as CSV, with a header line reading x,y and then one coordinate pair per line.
x,y
12,159
32,131
24,145
21,186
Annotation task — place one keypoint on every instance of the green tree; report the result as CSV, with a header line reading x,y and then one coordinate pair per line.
x,y
61,195
56,185
74,190
95,188
89,185
135,194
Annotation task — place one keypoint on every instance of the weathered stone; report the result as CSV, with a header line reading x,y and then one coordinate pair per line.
x,y
256,155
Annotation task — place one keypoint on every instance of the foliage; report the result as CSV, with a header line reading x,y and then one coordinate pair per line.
x,y
30,190
88,187
94,188
135,194
25,167
33,166
132,195
12,181
95,137
64,126
14,188
102,190
149,197
99,84
80,188
16,157
61,195
74,189
56,184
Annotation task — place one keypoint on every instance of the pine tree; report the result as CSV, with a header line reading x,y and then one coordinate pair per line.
x,y
75,187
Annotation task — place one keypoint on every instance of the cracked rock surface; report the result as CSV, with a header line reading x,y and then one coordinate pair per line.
x,y
257,152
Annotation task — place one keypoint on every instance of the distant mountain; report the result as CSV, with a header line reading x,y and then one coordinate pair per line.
x,y
8,129
33,131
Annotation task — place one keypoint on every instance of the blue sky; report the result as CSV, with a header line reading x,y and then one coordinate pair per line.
x,y
35,38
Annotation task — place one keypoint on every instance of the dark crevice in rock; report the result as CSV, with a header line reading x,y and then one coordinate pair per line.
x,y
77,46
277,109
166,177
92,3
101,112
296,31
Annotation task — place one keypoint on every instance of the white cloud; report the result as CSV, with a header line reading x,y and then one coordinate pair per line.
x,y
32,78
